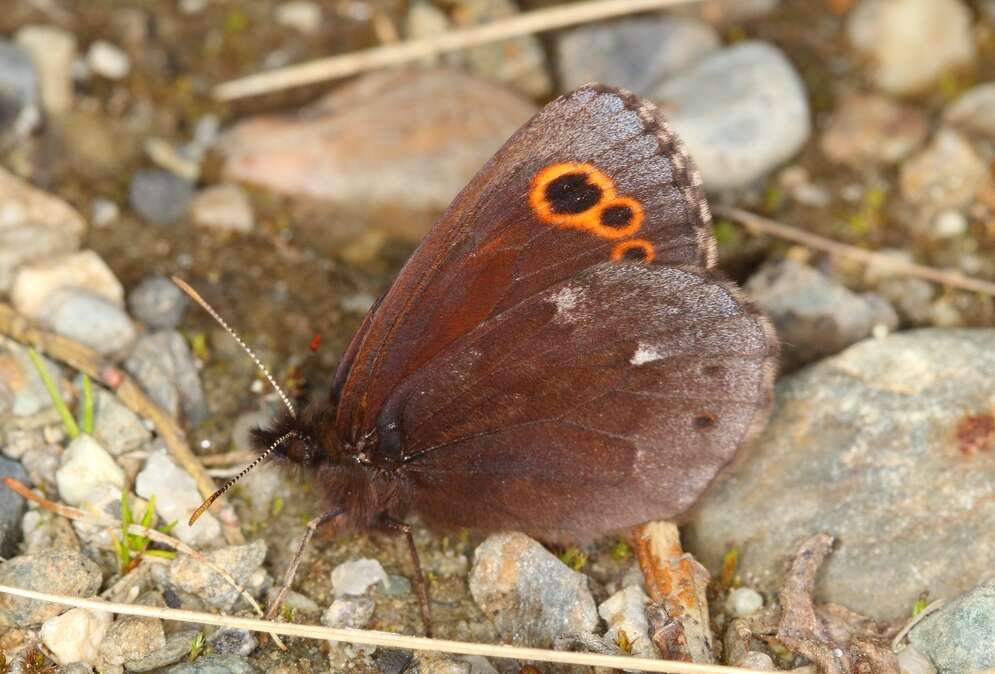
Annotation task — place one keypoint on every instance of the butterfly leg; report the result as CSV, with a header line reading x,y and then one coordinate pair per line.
x,y
420,586
337,518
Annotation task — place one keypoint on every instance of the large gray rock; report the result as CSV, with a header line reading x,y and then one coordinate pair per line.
x,y
960,637
64,572
741,111
890,447
530,595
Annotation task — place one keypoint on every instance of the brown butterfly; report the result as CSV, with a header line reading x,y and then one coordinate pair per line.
x,y
559,355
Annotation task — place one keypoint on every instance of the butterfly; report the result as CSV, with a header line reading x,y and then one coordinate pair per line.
x,y
559,356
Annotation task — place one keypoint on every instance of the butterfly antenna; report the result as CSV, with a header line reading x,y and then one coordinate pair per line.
x,y
231,483
195,296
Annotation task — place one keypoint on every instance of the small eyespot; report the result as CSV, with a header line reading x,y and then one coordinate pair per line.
x,y
712,370
635,250
704,421
616,216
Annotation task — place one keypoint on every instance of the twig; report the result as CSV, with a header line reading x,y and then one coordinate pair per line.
x,y
929,610
780,230
90,362
102,520
384,639
412,50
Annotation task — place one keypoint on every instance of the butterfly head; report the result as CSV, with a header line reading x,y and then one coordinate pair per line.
x,y
308,439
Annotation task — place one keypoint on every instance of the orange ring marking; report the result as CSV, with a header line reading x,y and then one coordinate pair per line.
x,y
543,209
619,251
596,227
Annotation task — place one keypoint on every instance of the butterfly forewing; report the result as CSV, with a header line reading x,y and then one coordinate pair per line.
x,y
595,177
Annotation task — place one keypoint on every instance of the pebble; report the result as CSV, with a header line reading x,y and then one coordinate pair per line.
x,y
34,225
407,141
189,575
529,594
165,368
21,381
115,427
12,507
637,54
744,601
759,661
625,612
18,90
159,196
815,315
108,60
871,128
890,35
176,496
960,636
232,641
53,51
157,303
45,532
58,572
949,173
133,638
971,112
437,663
89,319
741,111
225,208
356,576
85,466
301,15
104,212
34,283
889,447
104,499
519,62
352,612
213,664
950,224
42,462
75,635
177,646
425,20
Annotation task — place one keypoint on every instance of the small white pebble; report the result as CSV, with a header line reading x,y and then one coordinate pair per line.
x,y
356,576
744,601
950,223
104,212
108,60
300,15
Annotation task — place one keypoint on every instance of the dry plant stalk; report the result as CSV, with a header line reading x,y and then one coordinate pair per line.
x,y
399,53
384,639
91,363
676,582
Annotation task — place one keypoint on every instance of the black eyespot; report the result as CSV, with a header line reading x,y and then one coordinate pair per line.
x,y
636,254
572,193
616,217
704,421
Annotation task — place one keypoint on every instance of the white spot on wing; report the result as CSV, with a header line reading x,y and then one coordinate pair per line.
x,y
645,353
566,300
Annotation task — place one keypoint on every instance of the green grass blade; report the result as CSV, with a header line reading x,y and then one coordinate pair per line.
x,y
86,420
72,430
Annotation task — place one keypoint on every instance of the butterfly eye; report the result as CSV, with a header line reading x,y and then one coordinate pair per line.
x,y
636,250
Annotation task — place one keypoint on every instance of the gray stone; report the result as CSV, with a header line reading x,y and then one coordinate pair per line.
x,y
232,641
960,637
948,173
634,53
34,225
115,427
159,196
21,383
625,612
890,35
34,283
213,664
132,638
871,128
351,612
529,595
889,447
89,319
356,576
972,111
157,303
176,647
815,315
241,561
176,497
61,572
12,507
404,140
18,89
86,466
165,368
741,111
